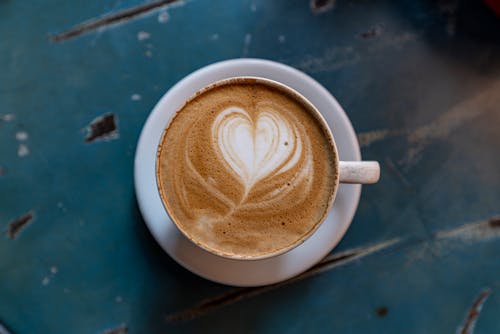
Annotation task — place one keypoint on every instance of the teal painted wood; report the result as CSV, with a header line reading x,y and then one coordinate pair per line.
x,y
420,82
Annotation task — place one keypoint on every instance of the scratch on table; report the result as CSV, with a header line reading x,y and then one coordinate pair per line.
x,y
235,295
246,44
115,18
391,167
102,128
448,9
122,329
486,101
337,57
321,6
473,314
475,231
333,59
18,224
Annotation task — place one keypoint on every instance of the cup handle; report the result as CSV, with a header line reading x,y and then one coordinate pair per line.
x,y
364,172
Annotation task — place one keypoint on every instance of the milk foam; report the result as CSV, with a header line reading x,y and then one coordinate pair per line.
x,y
256,149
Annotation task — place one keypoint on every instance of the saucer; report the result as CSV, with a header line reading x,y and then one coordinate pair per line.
x,y
240,272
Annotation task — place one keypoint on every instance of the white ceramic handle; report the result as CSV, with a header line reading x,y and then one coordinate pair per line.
x,y
364,172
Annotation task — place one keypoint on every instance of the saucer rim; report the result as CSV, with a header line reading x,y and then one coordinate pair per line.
x,y
285,71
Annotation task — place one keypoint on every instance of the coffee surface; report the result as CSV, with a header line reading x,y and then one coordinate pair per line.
x,y
246,170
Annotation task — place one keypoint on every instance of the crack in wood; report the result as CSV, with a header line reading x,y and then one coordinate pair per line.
x,y
120,16
18,224
238,294
474,311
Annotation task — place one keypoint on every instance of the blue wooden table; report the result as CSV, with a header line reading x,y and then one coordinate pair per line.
x,y
419,80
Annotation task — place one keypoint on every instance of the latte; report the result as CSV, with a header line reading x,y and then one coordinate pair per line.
x,y
246,168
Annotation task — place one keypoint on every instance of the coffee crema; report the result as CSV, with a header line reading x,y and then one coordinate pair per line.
x,y
246,169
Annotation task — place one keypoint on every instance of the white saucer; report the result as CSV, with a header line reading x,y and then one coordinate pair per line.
x,y
237,272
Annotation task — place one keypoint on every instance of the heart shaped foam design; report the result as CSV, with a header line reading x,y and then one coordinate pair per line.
x,y
256,148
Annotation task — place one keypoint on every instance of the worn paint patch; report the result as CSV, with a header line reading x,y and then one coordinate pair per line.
x,y
3,171
246,44
102,128
473,314
23,150
143,35
22,136
122,329
321,6
135,97
163,17
475,231
18,224
235,295
7,117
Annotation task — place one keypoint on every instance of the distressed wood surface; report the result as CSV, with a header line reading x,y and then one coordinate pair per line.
x,y
419,80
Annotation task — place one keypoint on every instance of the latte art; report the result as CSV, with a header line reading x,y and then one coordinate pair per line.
x,y
266,147
244,169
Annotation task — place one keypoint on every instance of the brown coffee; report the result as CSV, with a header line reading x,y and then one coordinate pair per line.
x,y
247,169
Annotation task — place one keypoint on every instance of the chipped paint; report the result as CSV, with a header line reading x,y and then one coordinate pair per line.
x,y
103,127
321,6
135,97
45,281
18,224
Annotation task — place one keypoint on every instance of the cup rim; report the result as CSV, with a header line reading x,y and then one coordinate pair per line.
x,y
309,106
